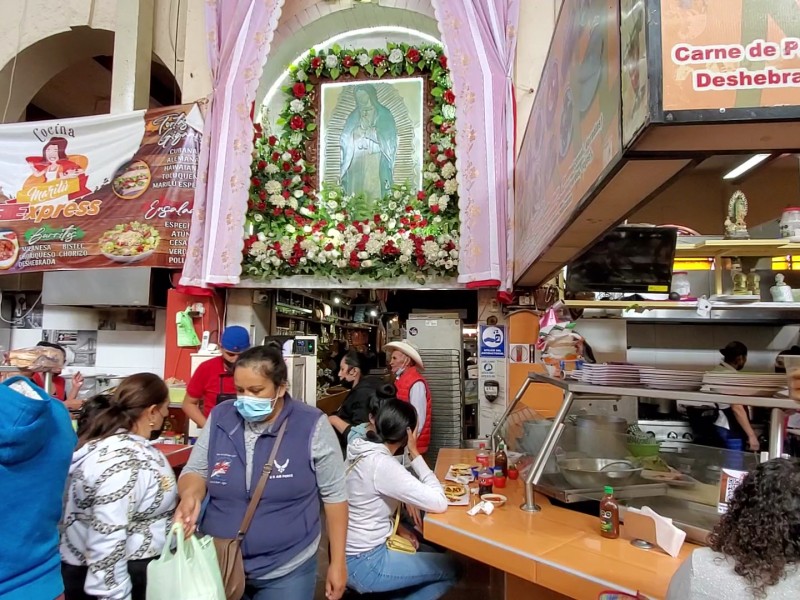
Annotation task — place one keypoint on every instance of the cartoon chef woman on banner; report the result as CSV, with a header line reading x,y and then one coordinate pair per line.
x,y
54,165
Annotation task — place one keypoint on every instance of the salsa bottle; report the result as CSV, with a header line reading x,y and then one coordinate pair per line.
x,y
609,515
501,459
485,481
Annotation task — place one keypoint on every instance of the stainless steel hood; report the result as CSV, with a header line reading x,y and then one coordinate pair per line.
x,y
124,286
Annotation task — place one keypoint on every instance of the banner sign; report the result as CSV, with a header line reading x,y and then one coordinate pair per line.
x,y
94,192
721,54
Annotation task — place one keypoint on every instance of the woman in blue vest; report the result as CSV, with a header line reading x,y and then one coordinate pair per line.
x,y
280,548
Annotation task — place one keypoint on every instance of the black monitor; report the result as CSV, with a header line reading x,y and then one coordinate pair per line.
x,y
626,260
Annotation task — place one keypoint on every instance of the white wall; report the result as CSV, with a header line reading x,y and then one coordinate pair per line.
x,y
118,352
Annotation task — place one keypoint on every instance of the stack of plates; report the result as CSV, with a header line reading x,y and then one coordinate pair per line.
x,y
743,384
627,375
665,379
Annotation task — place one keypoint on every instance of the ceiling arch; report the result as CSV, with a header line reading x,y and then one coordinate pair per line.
x,y
306,24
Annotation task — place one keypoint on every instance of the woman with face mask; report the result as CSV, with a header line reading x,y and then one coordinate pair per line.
x,y
121,494
280,547
355,408
376,485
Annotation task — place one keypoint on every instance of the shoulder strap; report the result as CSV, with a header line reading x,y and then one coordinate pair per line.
x,y
262,483
353,465
396,519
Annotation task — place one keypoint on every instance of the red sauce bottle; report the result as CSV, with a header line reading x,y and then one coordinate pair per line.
x,y
609,515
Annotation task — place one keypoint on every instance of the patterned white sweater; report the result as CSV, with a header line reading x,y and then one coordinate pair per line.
x,y
120,499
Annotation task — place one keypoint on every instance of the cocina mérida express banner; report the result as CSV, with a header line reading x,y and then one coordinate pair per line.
x,y
94,192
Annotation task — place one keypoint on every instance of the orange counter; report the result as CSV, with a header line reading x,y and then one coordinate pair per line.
x,y
552,554
177,454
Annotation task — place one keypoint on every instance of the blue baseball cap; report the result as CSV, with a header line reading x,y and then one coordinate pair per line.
x,y
235,339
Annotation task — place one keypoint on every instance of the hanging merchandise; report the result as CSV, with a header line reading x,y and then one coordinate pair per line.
x,y
190,573
187,336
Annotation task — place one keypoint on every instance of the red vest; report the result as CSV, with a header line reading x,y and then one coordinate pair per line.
x,y
404,383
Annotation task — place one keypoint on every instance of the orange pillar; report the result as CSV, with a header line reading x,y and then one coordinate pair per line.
x,y
523,328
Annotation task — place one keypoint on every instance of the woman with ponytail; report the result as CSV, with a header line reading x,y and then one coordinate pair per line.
x,y
376,486
121,493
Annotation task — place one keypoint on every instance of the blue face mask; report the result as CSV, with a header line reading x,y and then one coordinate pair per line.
x,y
254,409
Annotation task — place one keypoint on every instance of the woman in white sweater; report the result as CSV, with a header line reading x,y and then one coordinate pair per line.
x,y
121,494
376,486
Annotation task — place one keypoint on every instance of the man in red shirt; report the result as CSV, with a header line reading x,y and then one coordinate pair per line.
x,y
212,382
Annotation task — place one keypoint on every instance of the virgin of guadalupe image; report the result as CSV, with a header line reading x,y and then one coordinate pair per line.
x,y
368,145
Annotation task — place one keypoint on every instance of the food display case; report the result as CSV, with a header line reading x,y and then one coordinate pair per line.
x,y
589,445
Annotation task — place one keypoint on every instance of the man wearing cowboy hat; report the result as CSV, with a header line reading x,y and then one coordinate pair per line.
x,y
406,364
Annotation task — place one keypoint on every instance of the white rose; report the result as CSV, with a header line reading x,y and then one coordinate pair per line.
x,y
290,228
305,212
407,252
298,194
333,205
333,195
334,233
286,156
448,170
296,179
437,219
277,200
363,59
296,138
258,217
366,229
433,200
444,199
442,254
296,106
341,263
404,259
303,260
272,168
307,229
275,261
262,237
322,260
397,195
450,186
273,187
311,255
292,202
396,56
300,76
338,217
441,158
363,255
384,218
449,112
429,54
392,205
453,253
391,224
331,61
366,264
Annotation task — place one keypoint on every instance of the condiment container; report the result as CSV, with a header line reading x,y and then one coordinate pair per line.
x,y
790,222
499,479
609,515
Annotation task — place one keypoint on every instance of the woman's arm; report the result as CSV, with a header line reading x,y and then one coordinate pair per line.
x,y
329,467
192,484
338,423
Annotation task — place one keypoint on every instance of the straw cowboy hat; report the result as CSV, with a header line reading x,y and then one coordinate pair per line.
x,y
409,350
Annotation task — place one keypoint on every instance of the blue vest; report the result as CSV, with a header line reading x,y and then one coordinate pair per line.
x,y
287,518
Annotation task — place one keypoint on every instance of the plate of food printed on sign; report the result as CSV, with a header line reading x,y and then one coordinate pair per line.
x,y
457,494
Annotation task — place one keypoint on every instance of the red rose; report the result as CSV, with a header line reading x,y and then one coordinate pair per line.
x,y
276,156
285,194
286,166
449,153
262,206
276,211
328,247
424,222
289,212
377,219
306,190
378,59
262,164
409,208
439,184
434,149
435,209
262,194
295,154
412,55
272,140
341,227
316,62
258,129
296,123
421,195
299,89
449,96
443,61
297,169
286,183
348,62
444,127
255,181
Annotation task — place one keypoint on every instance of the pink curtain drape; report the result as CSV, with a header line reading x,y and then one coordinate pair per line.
x,y
239,36
480,39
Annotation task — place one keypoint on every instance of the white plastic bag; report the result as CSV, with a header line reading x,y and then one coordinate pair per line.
x,y
190,573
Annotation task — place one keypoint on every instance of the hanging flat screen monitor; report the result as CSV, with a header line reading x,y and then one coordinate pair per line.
x,y
627,260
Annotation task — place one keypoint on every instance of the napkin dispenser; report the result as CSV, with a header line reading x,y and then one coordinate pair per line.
x,y
646,529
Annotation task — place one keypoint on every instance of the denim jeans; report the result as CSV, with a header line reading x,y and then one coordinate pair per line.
x,y
297,585
420,576
734,446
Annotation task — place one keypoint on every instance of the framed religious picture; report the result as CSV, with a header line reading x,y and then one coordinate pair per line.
x,y
371,138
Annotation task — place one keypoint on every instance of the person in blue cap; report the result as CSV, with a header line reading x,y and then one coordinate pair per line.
x,y
212,382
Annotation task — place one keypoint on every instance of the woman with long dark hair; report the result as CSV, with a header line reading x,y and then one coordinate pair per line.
x,y
376,486
754,551
121,493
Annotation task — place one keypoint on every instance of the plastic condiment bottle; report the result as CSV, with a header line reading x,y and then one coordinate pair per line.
x,y
501,459
499,480
609,515
482,458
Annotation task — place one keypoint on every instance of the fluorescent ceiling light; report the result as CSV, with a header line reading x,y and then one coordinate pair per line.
x,y
743,168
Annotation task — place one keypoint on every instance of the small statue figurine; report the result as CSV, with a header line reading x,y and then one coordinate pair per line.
x,y
781,292
735,226
740,284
